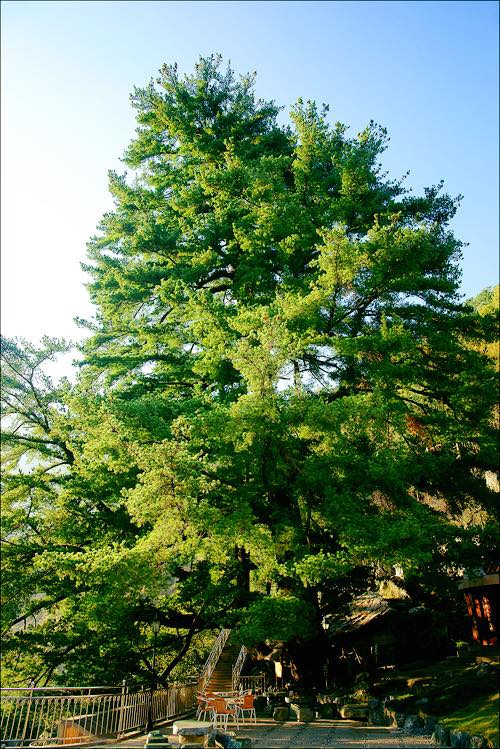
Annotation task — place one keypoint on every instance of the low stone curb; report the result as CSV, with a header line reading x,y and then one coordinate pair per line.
x,y
379,714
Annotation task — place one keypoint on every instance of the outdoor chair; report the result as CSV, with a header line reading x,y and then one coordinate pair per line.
x,y
246,706
204,707
222,710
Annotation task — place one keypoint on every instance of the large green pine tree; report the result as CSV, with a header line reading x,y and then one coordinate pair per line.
x,y
281,393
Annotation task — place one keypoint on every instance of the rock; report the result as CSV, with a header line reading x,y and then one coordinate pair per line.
x,y
459,739
305,714
325,699
422,702
390,716
419,681
478,742
412,723
227,741
400,719
441,735
376,712
244,742
327,710
156,739
361,695
355,711
429,723
280,714
362,676
362,680
260,703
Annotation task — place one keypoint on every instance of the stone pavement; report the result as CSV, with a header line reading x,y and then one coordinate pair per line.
x,y
322,734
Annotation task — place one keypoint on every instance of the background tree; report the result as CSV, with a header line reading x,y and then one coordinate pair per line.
x,y
487,302
280,393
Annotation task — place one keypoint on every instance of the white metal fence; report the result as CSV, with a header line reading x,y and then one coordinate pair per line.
x,y
255,683
238,666
75,715
213,657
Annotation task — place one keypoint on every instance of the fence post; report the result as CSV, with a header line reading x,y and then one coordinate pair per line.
x,y
123,701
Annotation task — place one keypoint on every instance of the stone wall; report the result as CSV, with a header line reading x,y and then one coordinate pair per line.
x,y
380,714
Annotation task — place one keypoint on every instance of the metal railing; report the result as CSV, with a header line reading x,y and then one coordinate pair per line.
x,y
76,715
214,656
238,666
255,683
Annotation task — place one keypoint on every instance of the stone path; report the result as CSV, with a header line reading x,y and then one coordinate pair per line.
x,y
322,734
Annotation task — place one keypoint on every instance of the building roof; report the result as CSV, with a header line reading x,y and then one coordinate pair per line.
x,y
360,612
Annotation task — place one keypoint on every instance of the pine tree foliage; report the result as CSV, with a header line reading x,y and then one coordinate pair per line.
x,y
282,392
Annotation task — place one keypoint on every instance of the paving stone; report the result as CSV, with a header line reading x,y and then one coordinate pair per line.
x,y
324,734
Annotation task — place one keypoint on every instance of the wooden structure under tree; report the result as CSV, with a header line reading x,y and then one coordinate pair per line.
x,y
481,596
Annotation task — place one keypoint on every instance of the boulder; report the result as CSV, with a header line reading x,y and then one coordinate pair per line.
x,y
459,739
355,711
376,713
305,714
400,719
441,735
156,739
412,723
390,716
230,741
260,703
325,698
478,742
362,680
422,702
429,723
327,710
280,714
244,742
419,681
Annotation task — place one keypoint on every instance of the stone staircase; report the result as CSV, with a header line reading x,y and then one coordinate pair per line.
x,y
221,679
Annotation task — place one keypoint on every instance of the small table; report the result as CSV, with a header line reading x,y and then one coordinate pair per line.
x,y
192,731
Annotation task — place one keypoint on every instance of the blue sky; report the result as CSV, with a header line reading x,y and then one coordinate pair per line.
x,y
428,71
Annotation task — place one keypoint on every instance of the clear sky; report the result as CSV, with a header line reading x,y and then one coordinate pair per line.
x,y
428,71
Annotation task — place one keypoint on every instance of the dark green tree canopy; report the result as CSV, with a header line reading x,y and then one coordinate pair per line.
x,y
282,391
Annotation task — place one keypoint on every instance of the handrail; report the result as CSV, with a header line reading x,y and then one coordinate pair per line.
x,y
56,689
52,720
214,656
254,683
238,666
